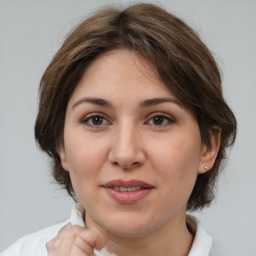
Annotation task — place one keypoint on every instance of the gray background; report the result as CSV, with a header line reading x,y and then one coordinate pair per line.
x,y
32,31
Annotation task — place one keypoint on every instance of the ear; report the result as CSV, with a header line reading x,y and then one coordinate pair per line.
x,y
210,152
63,158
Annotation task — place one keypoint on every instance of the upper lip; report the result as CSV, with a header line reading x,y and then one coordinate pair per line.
x,y
127,184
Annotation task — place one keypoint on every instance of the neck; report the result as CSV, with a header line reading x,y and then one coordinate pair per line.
x,y
172,239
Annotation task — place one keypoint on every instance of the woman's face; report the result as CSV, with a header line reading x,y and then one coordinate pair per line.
x,y
132,149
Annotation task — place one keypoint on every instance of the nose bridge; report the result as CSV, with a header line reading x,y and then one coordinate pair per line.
x,y
125,139
126,149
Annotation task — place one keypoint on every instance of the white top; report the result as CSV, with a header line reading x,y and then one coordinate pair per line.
x,y
35,243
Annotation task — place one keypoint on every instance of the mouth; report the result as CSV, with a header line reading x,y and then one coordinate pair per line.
x,y
125,189
127,192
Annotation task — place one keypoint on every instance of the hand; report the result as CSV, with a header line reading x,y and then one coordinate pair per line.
x,y
75,241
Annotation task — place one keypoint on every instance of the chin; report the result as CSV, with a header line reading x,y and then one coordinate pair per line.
x,y
128,231
128,226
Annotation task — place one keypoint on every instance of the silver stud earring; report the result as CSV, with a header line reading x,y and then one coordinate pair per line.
x,y
206,168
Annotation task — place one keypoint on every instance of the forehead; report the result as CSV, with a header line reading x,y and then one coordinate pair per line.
x,y
121,73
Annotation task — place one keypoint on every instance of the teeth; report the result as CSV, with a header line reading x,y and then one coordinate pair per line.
x,y
134,188
129,189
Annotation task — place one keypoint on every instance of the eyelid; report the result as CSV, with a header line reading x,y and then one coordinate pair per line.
x,y
87,117
168,117
163,114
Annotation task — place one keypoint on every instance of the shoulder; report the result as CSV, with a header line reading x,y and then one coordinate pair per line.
x,y
203,243
35,243
217,249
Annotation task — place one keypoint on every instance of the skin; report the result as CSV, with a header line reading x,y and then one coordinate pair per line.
x,y
156,143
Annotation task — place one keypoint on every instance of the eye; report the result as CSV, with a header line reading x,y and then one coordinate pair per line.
x,y
94,120
160,120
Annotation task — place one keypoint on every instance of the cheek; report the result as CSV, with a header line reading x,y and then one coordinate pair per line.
x,y
85,157
177,162
85,160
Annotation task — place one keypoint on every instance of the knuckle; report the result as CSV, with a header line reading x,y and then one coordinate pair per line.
x,y
65,228
83,246
53,244
48,246
74,238
76,228
70,232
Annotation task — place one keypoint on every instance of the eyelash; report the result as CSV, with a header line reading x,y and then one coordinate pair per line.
x,y
90,118
163,117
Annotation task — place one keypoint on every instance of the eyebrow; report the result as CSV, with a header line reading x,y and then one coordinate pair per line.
x,y
95,101
156,101
146,103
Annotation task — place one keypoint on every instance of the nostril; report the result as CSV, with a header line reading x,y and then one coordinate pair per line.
x,y
126,157
126,165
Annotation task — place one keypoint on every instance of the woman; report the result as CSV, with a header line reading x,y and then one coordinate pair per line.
x,y
132,114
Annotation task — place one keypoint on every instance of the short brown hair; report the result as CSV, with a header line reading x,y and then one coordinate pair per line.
x,y
181,59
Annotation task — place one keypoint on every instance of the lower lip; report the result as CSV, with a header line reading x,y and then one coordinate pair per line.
x,y
128,197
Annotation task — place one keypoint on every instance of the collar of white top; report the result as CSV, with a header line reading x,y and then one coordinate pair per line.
x,y
201,245
202,241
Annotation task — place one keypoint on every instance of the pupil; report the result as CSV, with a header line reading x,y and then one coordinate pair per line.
x,y
97,120
158,120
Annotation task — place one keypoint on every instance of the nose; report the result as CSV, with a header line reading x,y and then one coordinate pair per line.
x,y
126,150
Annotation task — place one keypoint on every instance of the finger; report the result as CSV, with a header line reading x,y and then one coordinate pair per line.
x,y
75,240
63,242
60,247
87,240
101,241
82,247
65,228
53,242
71,230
